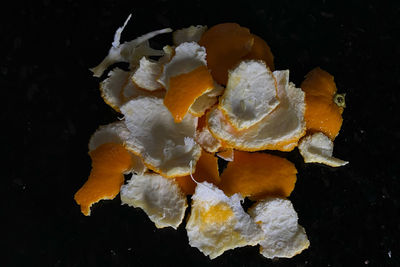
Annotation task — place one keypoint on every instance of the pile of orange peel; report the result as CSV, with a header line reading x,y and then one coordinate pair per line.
x,y
212,95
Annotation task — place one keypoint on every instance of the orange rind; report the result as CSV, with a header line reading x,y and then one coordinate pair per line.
x,y
324,111
206,171
258,175
218,223
146,75
250,94
159,197
109,162
185,78
226,44
118,88
165,147
283,236
280,130
261,51
130,52
318,148
116,133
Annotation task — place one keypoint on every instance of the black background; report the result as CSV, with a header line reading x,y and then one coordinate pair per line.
x,y
351,214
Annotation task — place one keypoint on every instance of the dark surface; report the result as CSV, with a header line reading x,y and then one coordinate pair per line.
x,y
351,214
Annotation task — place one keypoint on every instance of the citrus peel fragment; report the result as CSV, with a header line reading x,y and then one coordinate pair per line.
x,y
280,130
250,94
226,44
322,114
184,89
116,133
218,223
258,175
158,196
165,147
283,236
206,171
130,52
109,162
318,148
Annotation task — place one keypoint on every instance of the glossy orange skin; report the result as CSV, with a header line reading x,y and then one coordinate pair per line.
x,y
258,175
109,162
322,113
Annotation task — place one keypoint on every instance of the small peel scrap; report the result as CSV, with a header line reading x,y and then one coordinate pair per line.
x,y
218,223
283,236
318,148
158,196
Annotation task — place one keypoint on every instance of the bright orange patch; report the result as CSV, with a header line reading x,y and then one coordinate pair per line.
x,y
322,113
184,89
206,170
109,162
217,214
261,51
258,175
226,44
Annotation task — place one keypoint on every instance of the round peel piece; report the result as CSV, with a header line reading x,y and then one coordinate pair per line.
x,y
117,133
250,94
218,223
158,196
283,236
165,146
318,148
280,130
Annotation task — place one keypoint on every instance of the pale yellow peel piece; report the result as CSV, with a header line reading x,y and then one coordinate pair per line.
x,y
218,223
318,148
283,236
165,146
160,197
280,130
250,94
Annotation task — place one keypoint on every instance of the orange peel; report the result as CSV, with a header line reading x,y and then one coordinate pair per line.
x,y
280,130
258,175
250,94
322,114
283,236
189,34
159,197
165,147
226,44
109,162
218,223
206,171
